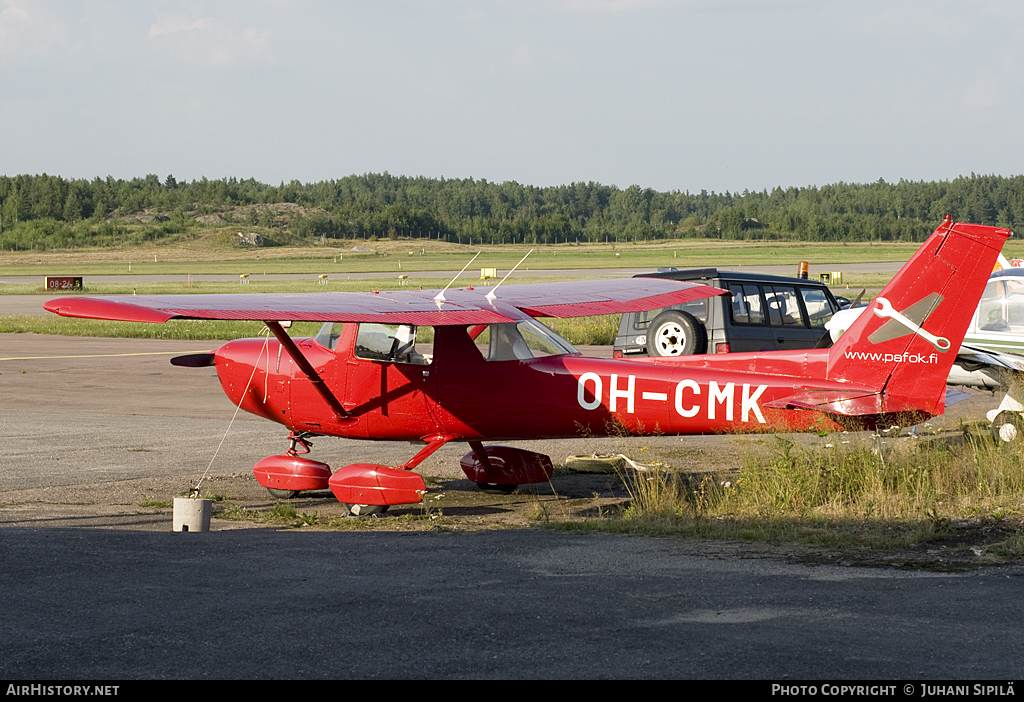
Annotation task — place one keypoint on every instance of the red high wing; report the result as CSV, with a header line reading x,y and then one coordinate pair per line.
x,y
461,307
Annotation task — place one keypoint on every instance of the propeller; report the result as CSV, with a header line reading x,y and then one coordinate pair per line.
x,y
194,360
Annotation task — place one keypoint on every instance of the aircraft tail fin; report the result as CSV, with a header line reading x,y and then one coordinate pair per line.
x,y
906,341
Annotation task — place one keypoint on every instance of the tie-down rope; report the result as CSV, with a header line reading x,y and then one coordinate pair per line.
x,y
266,342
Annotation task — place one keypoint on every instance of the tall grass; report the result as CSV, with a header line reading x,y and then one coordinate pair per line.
x,y
970,475
836,493
586,331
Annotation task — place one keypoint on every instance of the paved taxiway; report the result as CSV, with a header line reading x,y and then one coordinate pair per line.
x,y
109,604
118,599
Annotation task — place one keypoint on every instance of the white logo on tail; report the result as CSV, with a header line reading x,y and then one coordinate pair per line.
x,y
885,310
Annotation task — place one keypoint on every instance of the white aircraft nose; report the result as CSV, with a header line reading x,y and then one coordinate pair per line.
x,y
842,320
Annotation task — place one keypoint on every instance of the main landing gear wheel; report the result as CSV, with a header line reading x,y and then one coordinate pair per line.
x,y
675,333
365,510
497,488
283,494
1008,428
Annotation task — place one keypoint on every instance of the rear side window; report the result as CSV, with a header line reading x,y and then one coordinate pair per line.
x,y
747,306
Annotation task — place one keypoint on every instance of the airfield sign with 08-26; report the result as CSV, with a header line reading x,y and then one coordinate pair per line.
x,y
63,282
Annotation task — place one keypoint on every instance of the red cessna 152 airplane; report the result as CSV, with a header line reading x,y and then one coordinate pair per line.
x,y
494,373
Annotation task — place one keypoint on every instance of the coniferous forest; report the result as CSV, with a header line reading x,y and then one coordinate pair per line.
x,y
50,212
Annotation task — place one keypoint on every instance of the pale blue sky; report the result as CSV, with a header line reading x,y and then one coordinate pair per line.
x,y
687,95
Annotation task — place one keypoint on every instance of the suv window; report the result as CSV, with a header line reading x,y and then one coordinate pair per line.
x,y
819,310
747,305
698,308
783,307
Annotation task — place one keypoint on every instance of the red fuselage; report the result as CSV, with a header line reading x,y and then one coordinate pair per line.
x,y
461,394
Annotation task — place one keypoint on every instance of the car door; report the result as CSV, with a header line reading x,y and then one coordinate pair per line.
x,y
819,307
789,328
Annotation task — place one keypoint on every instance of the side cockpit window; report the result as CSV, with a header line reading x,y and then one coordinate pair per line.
x,y
518,341
395,343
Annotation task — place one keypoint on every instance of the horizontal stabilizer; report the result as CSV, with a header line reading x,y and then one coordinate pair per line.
x,y
973,357
849,403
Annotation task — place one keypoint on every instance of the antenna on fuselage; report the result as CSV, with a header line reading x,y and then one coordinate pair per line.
x,y
440,296
490,296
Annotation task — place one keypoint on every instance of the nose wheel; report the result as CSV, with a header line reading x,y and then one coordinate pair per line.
x,y
283,494
287,475
1008,428
298,444
366,510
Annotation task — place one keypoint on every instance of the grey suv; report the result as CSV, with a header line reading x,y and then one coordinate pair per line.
x,y
760,313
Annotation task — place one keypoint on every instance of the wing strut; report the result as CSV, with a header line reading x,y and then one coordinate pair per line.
x,y
307,369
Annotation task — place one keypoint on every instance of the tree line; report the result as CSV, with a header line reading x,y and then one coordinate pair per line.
x,y
46,211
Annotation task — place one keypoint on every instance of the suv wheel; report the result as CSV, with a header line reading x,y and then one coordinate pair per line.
x,y
674,333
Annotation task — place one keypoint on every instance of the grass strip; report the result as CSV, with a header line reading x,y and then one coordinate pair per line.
x,y
962,494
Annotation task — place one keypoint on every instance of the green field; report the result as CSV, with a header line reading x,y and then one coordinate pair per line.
x,y
255,285
397,257
393,259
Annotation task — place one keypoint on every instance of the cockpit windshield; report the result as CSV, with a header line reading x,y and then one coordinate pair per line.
x,y
328,334
1002,306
